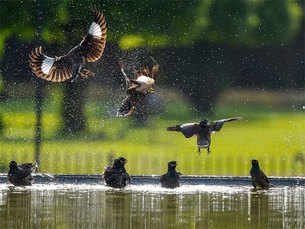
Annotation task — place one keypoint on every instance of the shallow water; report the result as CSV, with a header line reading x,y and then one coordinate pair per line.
x,y
150,206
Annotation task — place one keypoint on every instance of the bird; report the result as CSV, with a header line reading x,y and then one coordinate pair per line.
x,y
171,178
116,175
21,175
71,65
202,130
138,88
258,177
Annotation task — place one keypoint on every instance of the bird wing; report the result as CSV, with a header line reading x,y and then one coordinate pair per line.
x,y
93,44
146,71
217,125
155,68
52,69
264,177
163,178
24,170
260,179
123,72
189,129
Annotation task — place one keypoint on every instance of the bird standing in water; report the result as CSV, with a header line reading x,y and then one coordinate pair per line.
x,y
259,179
203,130
21,175
171,178
71,65
116,175
138,88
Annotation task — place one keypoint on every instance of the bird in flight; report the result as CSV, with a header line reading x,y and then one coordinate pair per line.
x,y
202,130
138,88
259,179
71,65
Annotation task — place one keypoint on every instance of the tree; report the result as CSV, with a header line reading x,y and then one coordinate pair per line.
x,y
1,121
193,34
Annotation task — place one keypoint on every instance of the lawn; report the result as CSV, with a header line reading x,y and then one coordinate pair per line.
x,y
274,136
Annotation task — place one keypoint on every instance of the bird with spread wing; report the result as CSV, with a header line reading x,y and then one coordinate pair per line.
x,y
202,130
138,88
71,65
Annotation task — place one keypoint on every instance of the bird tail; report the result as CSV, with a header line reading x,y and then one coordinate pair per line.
x,y
173,128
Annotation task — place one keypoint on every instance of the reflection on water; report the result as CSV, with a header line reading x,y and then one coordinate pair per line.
x,y
150,206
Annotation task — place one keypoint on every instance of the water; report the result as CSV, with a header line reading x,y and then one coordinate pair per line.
x,y
150,206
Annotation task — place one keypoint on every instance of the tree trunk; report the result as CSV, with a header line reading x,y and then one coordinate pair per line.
x,y
74,121
201,72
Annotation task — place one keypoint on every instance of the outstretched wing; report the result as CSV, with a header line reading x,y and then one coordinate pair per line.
x,y
92,45
217,125
189,129
149,72
155,68
53,69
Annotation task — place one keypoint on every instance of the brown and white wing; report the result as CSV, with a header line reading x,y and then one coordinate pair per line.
x,y
146,71
49,68
92,46
155,68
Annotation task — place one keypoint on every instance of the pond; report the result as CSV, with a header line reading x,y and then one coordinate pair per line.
x,y
150,206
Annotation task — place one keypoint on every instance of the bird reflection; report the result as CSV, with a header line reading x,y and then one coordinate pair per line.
x,y
117,209
262,212
18,209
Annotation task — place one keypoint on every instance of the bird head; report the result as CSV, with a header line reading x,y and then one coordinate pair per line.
x,y
13,164
203,123
255,163
122,160
172,164
119,162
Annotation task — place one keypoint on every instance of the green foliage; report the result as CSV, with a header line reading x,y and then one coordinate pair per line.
x,y
155,23
249,23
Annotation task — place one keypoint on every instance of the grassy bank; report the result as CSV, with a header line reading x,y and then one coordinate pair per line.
x,y
274,136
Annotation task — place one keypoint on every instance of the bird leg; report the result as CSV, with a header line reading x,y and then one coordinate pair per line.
x,y
76,74
87,72
81,74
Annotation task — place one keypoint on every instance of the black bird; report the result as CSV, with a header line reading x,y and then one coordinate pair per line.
x,y
116,176
21,175
71,65
259,179
138,88
202,129
171,178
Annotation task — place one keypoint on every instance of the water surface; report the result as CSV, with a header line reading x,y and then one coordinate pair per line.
x,y
150,206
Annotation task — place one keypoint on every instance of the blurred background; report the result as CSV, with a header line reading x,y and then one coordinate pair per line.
x,y
218,58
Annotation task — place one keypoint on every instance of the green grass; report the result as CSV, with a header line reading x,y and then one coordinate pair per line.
x,y
274,137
